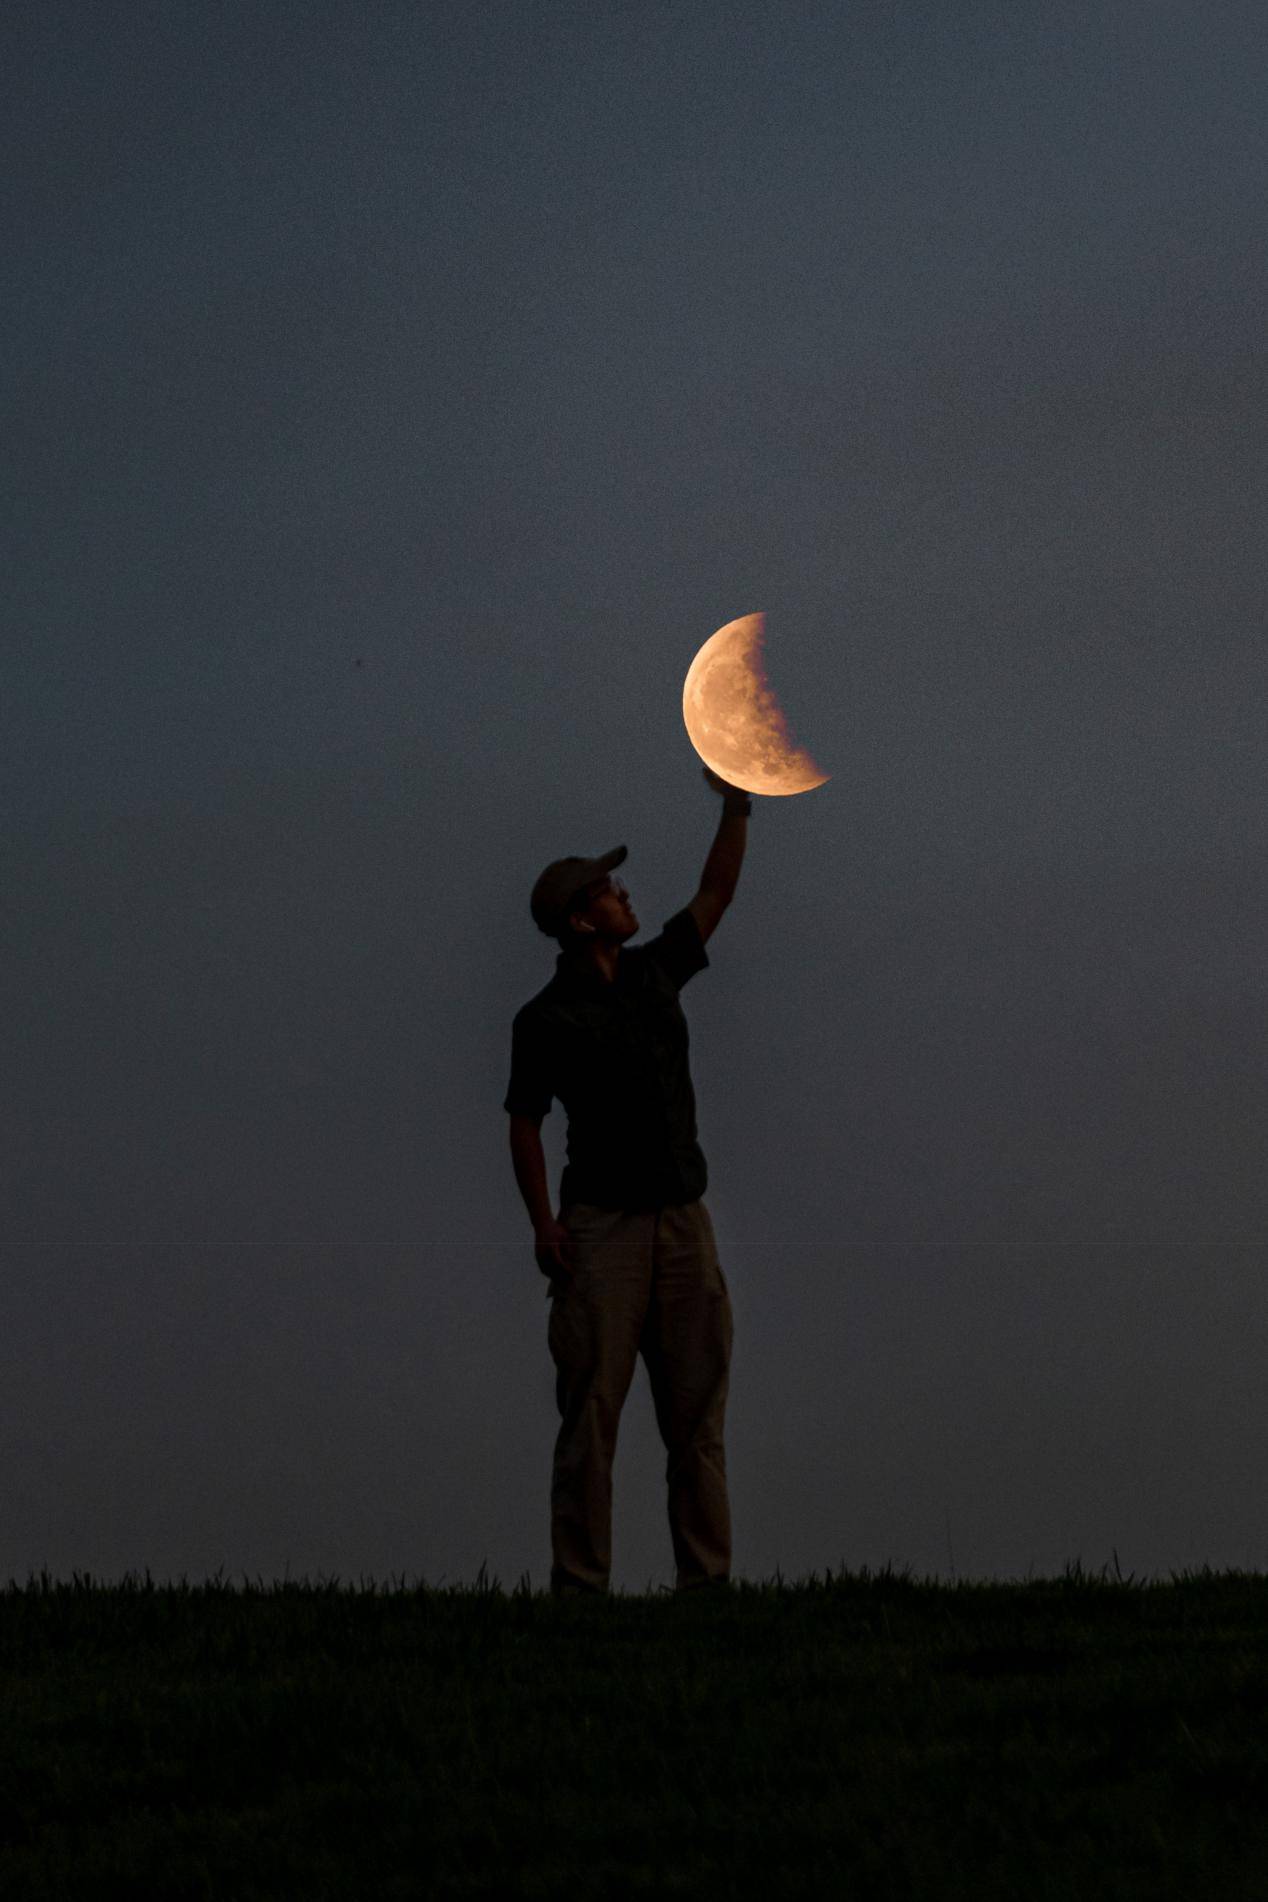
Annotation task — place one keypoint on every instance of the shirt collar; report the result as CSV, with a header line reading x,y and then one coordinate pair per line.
x,y
575,980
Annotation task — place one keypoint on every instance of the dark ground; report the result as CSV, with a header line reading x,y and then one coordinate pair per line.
x,y
871,1735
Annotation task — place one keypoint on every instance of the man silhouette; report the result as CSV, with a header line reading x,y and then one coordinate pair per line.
x,y
631,1258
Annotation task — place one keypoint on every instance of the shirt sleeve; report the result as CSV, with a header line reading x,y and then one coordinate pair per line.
x,y
529,1092
679,950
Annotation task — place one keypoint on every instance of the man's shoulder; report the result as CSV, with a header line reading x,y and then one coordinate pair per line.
x,y
540,1005
677,951
680,928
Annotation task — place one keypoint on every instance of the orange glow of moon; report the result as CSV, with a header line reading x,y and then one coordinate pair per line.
x,y
734,720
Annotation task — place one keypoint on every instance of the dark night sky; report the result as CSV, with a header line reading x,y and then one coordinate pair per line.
x,y
395,397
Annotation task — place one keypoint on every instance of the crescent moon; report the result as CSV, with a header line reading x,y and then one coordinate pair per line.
x,y
733,719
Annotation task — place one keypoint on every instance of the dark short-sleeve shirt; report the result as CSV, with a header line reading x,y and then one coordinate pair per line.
x,y
616,1056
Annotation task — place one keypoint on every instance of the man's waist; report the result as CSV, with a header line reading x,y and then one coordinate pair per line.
x,y
663,1175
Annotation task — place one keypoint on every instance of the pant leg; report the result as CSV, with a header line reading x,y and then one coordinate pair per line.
x,y
596,1319
686,1344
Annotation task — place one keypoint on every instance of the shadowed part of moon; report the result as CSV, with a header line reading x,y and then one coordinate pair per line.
x,y
734,720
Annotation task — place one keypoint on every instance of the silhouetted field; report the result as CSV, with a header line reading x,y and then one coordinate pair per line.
x,y
861,1735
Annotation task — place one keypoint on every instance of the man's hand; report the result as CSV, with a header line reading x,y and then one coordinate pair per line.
x,y
553,1247
723,786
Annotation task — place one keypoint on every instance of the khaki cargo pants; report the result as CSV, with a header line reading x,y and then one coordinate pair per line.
x,y
646,1282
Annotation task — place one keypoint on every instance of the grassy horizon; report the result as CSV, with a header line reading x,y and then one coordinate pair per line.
x,y
486,1584
1084,1735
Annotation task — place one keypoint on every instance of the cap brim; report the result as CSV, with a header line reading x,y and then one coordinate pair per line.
x,y
597,867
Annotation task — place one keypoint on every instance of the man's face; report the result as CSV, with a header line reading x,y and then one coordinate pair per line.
x,y
607,907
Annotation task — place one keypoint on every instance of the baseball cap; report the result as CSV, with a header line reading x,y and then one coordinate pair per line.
x,y
560,883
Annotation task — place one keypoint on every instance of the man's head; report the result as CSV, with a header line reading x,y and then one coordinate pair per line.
x,y
602,911
577,902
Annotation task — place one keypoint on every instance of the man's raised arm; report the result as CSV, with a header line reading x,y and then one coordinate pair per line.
x,y
721,872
